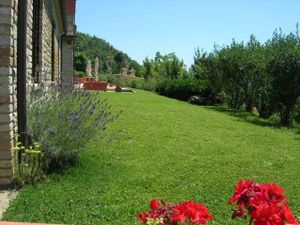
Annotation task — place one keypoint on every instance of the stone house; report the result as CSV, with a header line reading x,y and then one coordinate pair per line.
x,y
37,39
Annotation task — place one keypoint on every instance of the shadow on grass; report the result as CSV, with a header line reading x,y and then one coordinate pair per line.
x,y
298,133
253,119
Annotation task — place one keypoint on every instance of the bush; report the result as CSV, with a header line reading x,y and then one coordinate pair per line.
x,y
102,77
65,122
79,74
182,89
111,79
131,82
147,85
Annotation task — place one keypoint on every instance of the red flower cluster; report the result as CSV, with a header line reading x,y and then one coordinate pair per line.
x,y
265,203
175,214
195,213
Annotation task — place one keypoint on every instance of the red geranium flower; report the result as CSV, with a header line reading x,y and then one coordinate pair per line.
x,y
169,214
191,211
240,190
265,203
154,204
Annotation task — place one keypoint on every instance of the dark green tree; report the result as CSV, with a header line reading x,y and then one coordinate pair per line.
x,y
206,67
284,68
147,71
80,62
164,66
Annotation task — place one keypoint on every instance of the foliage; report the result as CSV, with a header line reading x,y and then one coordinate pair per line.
x,y
64,131
265,203
265,76
131,82
79,74
27,163
206,67
181,89
235,72
147,85
284,67
163,66
170,150
242,67
111,60
182,213
80,62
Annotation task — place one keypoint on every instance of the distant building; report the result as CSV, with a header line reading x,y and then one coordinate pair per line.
x,y
37,39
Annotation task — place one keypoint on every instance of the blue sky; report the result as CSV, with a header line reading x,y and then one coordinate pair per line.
x,y
142,27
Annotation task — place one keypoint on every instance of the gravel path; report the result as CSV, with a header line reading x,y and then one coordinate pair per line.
x,y
5,198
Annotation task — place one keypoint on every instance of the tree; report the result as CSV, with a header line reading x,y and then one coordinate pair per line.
x,y
120,62
147,68
164,66
80,62
284,68
232,65
206,67
242,72
255,79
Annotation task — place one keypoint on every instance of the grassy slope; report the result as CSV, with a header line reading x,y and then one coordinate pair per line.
x,y
172,151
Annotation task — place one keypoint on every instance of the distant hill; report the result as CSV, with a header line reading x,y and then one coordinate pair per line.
x,y
111,59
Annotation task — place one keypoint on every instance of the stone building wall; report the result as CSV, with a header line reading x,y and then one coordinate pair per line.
x,y
46,43
8,62
57,38
50,42
55,59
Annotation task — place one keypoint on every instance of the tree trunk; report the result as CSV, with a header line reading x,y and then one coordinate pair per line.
x,y
286,116
249,107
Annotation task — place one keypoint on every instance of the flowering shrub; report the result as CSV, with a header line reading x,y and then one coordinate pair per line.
x,y
63,122
265,203
183,213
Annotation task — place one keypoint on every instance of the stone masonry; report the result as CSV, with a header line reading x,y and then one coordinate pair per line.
x,y
68,50
8,58
46,42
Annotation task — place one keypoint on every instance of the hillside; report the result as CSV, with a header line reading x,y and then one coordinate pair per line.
x,y
111,59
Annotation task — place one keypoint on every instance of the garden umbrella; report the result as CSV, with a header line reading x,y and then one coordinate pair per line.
x,y
96,68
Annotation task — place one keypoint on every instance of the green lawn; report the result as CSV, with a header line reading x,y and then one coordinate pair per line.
x,y
169,150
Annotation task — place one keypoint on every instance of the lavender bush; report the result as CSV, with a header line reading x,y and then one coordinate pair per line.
x,y
65,121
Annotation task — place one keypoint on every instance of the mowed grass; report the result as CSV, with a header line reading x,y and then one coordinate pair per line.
x,y
170,150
